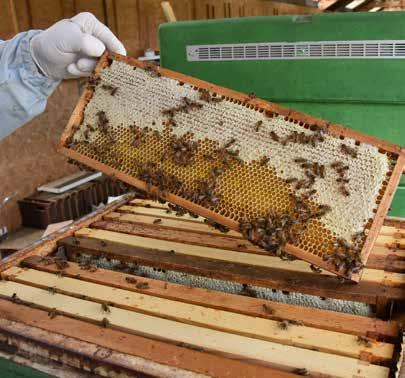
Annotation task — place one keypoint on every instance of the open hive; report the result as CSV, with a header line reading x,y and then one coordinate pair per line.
x,y
293,184
106,296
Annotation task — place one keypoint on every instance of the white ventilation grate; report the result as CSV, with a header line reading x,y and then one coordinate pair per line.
x,y
298,50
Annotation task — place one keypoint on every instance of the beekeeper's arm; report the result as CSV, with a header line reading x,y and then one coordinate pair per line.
x,y
33,63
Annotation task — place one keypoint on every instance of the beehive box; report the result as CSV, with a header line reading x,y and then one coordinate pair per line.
x,y
293,184
105,296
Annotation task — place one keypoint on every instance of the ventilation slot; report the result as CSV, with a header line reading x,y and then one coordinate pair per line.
x,y
299,50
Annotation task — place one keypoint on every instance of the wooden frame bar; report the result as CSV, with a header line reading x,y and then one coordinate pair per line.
x,y
307,283
337,130
350,324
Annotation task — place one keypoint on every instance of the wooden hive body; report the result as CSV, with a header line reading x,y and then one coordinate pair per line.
x,y
80,298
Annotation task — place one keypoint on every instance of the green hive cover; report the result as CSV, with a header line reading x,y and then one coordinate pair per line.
x,y
365,94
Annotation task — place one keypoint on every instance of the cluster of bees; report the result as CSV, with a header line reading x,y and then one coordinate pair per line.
x,y
342,180
185,107
154,176
216,225
347,256
205,193
275,230
302,138
206,96
311,170
60,262
139,136
88,265
225,155
183,151
179,211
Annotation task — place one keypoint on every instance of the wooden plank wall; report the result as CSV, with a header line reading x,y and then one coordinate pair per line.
x,y
134,21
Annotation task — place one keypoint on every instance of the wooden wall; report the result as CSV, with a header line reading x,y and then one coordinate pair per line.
x,y
134,21
28,157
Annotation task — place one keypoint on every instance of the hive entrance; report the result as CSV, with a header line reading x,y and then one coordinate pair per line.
x,y
285,178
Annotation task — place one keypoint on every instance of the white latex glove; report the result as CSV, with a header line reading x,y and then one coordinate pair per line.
x,y
68,48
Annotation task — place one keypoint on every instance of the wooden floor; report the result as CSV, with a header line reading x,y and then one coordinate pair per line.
x,y
199,331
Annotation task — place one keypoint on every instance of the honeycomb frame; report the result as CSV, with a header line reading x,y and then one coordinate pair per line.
x,y
373,225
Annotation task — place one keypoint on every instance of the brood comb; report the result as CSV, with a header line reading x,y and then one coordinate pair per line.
x,y
291,183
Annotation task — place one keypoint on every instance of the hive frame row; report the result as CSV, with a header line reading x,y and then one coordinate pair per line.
x,y
337,130
80,343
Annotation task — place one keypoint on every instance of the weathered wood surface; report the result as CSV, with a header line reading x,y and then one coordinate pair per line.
x,y
241,347
222,320
330,320
307,283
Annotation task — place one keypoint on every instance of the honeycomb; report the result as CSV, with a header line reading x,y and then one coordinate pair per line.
x,y
136,118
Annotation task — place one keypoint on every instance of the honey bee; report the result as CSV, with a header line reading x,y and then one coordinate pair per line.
x,y
208,157
15,298
308,194
301,160
205,95
251,96
105,323
363,340
248,291
322,171
51,290
274,136
131,280
216,171
347,150
291,180
264,160
284,324
103,121
152,71
337,164
358,237
315,268
258,125
267,309
53,313
322,210
230,143
301,371
93,82
344,191
103,243
156,221
142,285
105,308
110,88
90,127
61,263
47,260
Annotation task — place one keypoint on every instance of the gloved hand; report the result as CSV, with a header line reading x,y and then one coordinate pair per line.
x,y
68,48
